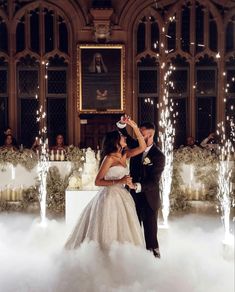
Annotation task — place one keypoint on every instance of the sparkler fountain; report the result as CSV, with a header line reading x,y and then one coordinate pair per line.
x,y
43,166
43,159
166,136
224,167
224,181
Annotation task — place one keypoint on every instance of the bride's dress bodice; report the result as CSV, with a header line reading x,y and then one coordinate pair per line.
x,y
116,172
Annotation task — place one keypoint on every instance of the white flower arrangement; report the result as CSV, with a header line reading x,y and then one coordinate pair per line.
x,y
147,161
74,182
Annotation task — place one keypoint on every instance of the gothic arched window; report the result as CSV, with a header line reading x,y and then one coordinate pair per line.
x,y
3,73
42,32
187,36
27,85
230,31
230,91
3,94
3,36
141,33
206,96
147,88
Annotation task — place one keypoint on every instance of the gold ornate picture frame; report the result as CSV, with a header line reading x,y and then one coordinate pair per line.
x,y
101,80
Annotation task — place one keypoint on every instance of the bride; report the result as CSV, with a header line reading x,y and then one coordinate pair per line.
x,y
111,215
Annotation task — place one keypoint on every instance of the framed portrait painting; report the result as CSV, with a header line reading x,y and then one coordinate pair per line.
x,y
101,78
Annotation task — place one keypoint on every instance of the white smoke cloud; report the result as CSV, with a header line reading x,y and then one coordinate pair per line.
x,y
32,259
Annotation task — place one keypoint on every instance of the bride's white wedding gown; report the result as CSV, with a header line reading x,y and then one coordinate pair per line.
x,y
110,216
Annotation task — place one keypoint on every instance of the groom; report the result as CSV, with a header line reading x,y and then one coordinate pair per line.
x,y
145,170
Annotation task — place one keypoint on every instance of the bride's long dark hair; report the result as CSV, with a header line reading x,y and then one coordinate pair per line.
x,y
110,144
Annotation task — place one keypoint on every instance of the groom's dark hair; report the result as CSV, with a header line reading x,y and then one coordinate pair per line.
x,y
148,125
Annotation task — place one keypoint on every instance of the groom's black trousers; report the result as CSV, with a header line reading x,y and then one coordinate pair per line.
x,y
148,217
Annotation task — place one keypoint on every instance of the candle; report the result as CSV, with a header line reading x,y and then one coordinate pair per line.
x,y
52,157
13,172
203,190
57,156
8,193
196,194
20,193
62,157
13,194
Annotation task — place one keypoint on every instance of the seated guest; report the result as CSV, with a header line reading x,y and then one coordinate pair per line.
x,y
59,143
8,143
9,131
190,142
210,142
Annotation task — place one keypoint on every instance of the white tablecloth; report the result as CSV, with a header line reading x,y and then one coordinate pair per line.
x,y
75,202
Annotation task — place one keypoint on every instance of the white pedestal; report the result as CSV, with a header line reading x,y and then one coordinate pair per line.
x,y
75,202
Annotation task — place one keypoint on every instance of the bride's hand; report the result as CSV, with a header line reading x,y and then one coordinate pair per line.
x,y
131,123
126,180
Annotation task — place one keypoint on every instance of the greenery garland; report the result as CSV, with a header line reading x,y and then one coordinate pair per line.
x,y
27,158
56,187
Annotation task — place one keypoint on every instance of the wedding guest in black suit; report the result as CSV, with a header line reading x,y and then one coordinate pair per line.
x,y
145,170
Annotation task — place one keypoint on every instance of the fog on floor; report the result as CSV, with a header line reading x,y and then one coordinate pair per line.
x,y
32,259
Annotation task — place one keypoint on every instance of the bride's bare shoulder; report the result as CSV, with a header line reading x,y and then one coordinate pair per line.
x,y
109,159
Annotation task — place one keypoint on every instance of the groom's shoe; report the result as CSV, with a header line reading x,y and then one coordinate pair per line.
x,y
156,253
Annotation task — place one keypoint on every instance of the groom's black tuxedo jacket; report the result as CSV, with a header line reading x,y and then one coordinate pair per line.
x,y
148,173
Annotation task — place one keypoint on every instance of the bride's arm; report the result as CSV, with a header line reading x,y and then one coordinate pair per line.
x,y
100,181
142,145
